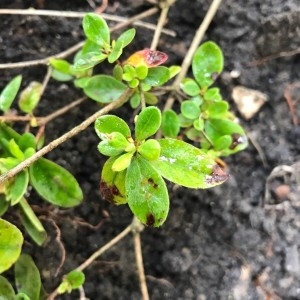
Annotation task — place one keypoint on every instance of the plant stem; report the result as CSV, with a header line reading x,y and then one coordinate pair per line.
x,y
107,246
27,162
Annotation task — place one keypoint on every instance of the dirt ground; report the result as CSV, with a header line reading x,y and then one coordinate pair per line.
x,y
237,241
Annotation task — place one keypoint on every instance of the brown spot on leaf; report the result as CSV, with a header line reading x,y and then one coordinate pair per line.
x,y
237,139
151,181
150,220
218,175
108,192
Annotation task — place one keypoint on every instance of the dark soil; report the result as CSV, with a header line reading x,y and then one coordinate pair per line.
x,y
237,241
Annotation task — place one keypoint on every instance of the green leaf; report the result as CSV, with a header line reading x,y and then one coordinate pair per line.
x,y
157,76
187,165
32,224
207,64
116,52
112,185
3,205
54,183
27,140
134,83
81,82
195,135
213,94
146,193
190,87
118,72
30,97
122,162
218,109
110,123
150,98
7,291
174,70
27,276
135,100
170,124
16,187
96,30
223,142
126,37
184,122
71,281
129,73
11,241
190,109
104,89
88,60
147,123
61,65
15,150
141,71
59,76
150,149
9,93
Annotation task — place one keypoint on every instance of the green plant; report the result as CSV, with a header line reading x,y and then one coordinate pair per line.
x,y
139,161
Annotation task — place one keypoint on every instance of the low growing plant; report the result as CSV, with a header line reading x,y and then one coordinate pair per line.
x,y
180,147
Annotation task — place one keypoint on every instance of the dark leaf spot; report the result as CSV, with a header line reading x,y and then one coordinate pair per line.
x,y
237,139
150,220
151,181
108,192
217,175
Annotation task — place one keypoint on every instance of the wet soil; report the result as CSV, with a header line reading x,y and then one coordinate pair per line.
x,y
237,241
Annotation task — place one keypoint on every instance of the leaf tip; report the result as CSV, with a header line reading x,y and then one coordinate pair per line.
x,y
217,176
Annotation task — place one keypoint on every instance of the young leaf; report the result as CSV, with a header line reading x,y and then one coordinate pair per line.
x,y
135,100
60,76
110,123
54,183
6,290
141,71
218,109
86,61
32,224
126,37
190,109
150,149
157,76
27,276
170,124
150,98
190,87
116,52
16,187
61,65
96,29
146,191
112,185
122,162
30,97
207,64
104,89
187,165
11,241
27,140
9,93
72,281
147,123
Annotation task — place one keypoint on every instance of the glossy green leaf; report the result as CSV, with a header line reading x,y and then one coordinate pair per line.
x,y
157,76
87,60
32,224
60,76
150,98
135,100
71,281
199,124
9,93
112,185
15,150
6,290
190,87
213,94
187,165
27,276
30,97
223,142
104,89
146,193
96,29
190,109
113,144
134,83
118,72
27,140
11,241
207,64
16,187
174,70
122,162
6,132
110,123
184,122
128,73
61,65
150,150
147,123
218,109
116,52
54,183
170,124
141,71
81,82
126,37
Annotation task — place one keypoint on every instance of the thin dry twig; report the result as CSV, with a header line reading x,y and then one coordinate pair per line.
x,y
124,22
290,102
195,43
74,131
